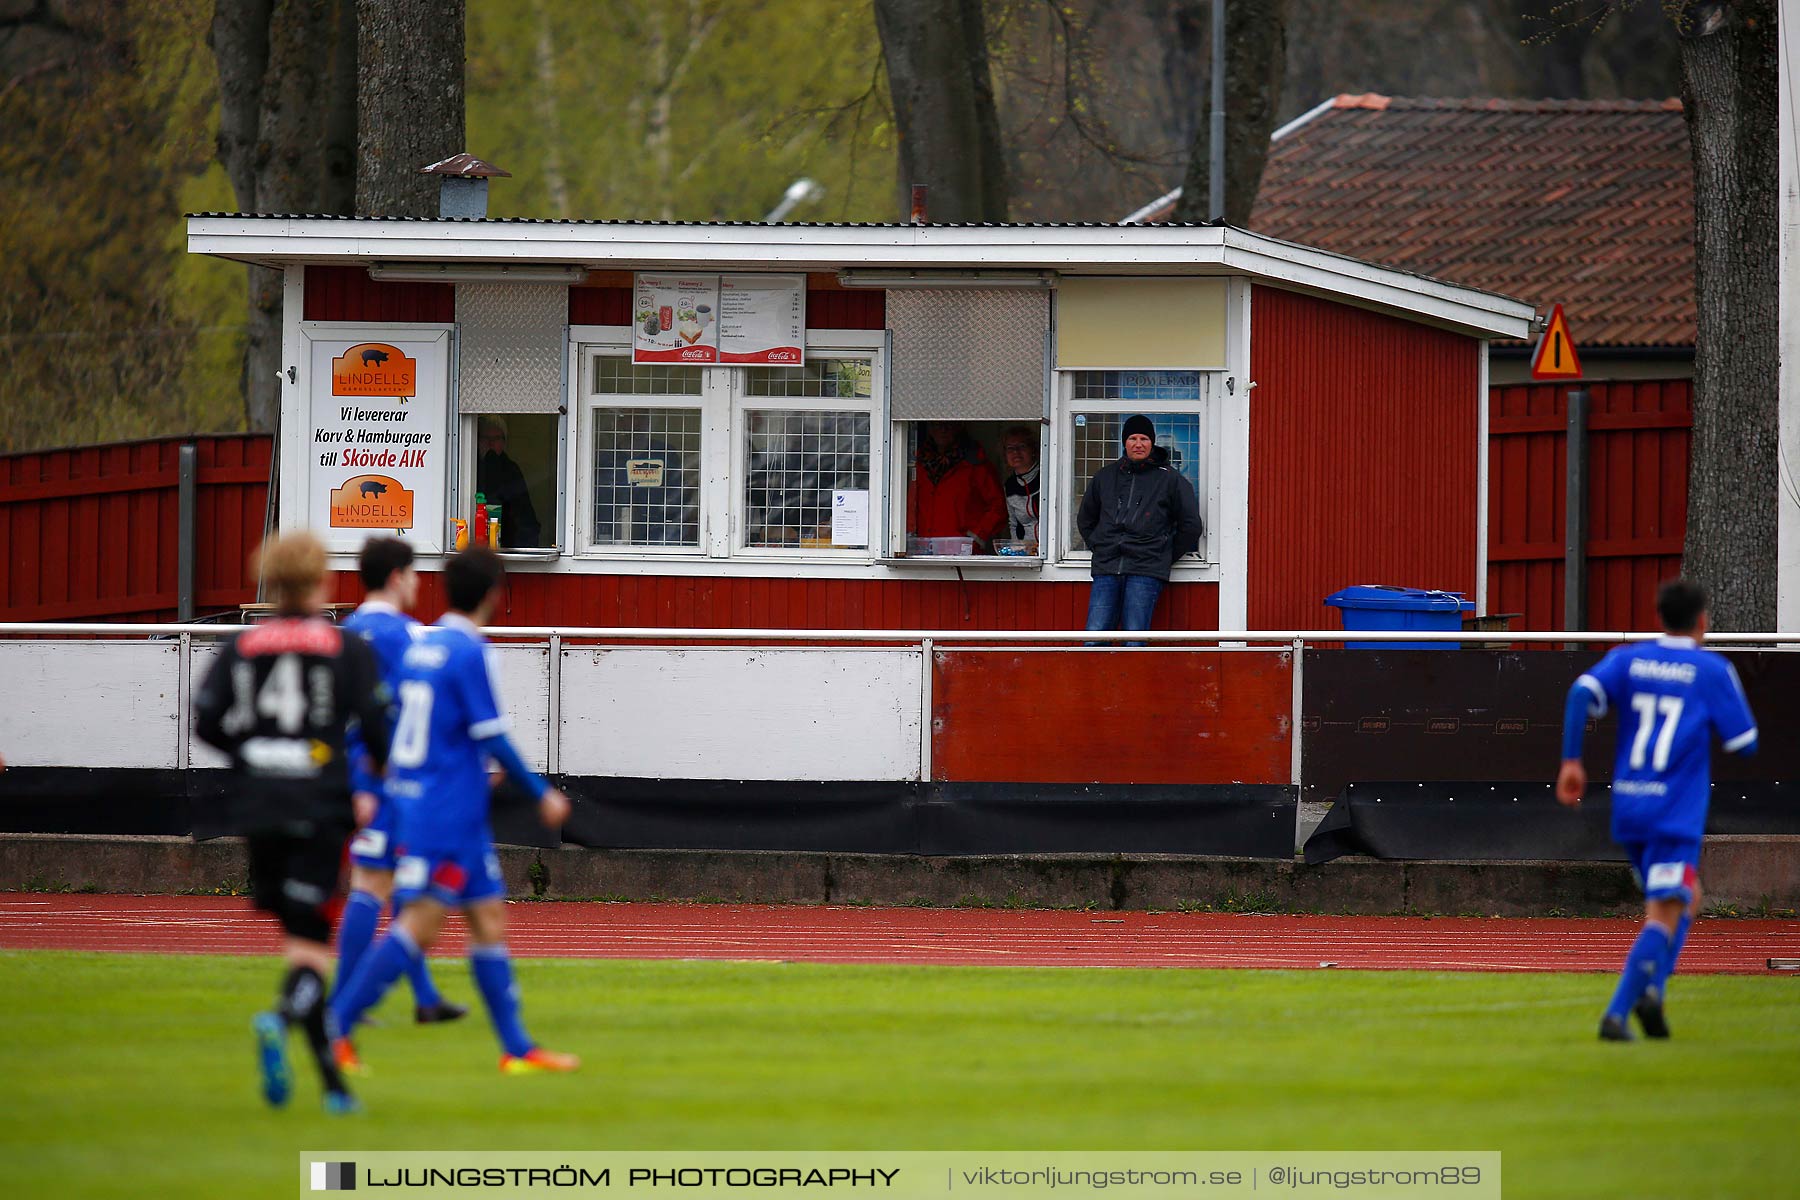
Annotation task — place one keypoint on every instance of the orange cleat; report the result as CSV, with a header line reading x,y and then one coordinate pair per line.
x,y
343,1053
537,1060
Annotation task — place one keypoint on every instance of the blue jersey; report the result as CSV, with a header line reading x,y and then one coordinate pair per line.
x,y
386,629
1672,698
449,725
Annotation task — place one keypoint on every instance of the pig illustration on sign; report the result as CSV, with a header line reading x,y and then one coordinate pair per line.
x,y
372,488
374,357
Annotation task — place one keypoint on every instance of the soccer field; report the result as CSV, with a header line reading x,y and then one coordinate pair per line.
x,y
132,1075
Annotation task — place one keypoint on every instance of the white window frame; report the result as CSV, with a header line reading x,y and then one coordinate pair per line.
x,y
724,403
1059,504
874,405
468,459
709,402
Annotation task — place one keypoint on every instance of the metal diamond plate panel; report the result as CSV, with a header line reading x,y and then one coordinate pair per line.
x,y
511,339
968,354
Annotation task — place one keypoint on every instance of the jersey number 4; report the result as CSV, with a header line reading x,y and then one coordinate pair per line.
x,y
412,733
283,698
1648,707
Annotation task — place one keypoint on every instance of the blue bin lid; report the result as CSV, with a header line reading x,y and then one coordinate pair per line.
x,y
1375,595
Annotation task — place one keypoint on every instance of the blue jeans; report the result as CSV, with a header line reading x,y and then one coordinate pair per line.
x,y
1132,597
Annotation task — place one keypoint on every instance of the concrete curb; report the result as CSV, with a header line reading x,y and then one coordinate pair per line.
x,y
1753,874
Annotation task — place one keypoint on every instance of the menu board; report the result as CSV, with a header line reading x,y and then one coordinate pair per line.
x,y
710,319
762,319
380,420
675,319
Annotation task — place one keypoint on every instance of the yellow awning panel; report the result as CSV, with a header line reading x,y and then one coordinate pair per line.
x,y
1107,323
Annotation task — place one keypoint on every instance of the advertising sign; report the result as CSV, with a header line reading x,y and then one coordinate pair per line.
x,y
380,432
711,319
762,319
675,319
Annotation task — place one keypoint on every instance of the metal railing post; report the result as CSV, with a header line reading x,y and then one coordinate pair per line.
x,y
186,504
925,720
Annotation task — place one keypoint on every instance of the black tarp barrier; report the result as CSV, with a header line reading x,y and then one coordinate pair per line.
x,y
675,814
1409,746
1513,821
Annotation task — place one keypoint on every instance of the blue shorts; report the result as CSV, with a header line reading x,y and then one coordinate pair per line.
x,y
373,845
454,878
1666,868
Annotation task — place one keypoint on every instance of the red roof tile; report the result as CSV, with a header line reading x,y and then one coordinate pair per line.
x,y
1586,202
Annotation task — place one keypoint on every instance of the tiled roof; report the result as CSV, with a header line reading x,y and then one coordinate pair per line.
x,y
1586,202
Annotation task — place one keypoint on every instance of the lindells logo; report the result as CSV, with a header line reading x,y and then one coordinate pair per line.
x,y
374,369
371,502
334,1177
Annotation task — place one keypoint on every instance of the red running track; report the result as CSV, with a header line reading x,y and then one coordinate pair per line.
x,y
797,933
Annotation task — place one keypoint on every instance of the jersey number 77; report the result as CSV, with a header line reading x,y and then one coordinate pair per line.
x,y
1647,705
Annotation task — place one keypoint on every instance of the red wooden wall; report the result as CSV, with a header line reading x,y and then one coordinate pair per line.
x,y
668,601
1638,440
91,533
1354,477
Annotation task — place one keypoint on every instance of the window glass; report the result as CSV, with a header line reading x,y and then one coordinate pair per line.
x,y
516,461
621,377
827,378
794,460
1104,400
646,476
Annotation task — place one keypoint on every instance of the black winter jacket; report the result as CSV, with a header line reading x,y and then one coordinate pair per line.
x,y
1139,517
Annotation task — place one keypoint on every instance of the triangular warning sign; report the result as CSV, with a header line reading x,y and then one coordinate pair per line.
x,y
1555,357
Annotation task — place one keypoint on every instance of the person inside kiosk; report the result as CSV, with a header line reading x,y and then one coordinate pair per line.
x,y
955,490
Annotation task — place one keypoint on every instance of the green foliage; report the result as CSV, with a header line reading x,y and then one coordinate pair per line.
x,y
106,330
131,1075
679,109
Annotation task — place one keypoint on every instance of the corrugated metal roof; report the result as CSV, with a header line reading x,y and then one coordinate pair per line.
x,y
704,224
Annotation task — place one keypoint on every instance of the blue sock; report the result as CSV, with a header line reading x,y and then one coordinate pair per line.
x,y
380,968
1661,982
355,933
494,976
418,973
1647,958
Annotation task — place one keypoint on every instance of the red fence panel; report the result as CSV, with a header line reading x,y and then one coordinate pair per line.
x,y
1638,441
91,532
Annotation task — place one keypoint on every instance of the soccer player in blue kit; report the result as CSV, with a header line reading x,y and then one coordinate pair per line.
x,y
1672,697
392,587
449,727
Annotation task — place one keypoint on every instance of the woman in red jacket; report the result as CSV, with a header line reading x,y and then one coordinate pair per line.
x,y
954,490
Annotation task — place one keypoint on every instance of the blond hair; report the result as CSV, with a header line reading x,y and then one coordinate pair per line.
x,y
291,566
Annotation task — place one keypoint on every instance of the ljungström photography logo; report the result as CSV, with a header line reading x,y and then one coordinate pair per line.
x,y
334,1177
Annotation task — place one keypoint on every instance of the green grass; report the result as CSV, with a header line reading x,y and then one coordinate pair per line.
x,y
132,1075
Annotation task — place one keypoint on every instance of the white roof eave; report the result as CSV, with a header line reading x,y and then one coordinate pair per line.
x,y
1076,250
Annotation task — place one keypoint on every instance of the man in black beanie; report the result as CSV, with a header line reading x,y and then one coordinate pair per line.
x,y
1138,517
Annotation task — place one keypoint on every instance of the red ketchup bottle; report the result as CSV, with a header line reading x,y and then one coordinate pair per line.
x,y
480,531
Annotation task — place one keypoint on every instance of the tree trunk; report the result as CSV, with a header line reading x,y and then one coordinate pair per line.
x,y
281,65
1255,62
1729,90
409,102
944,113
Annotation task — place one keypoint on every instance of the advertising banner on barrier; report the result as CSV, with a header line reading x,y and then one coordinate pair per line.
x,y
378,457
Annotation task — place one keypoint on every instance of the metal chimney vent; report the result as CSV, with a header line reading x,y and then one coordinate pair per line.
x,y
462,190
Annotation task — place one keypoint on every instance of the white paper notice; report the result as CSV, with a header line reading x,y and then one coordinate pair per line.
x,y
762,319
850,518
674,319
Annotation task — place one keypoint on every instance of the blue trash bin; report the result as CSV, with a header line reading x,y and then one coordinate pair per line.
x,y
1374,606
